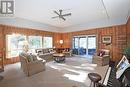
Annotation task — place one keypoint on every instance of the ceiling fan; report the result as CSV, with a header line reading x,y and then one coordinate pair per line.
x,y
60,15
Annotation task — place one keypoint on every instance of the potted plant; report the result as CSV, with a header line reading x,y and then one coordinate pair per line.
x,y
127,52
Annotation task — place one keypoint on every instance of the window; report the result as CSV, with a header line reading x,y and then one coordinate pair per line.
x,y
14,44
47,42
35,42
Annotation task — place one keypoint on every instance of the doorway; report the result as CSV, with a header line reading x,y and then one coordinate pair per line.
x,y
84,45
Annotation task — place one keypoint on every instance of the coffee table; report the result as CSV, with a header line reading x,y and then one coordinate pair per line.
x,y
59,57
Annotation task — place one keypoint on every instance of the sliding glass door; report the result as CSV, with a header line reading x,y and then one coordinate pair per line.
x,y
84,45
75,45
91,45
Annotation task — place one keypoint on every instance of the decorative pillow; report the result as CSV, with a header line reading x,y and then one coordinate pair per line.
x,y
28,57
101,53
46,51
39,51
34,57
50,50
98,53
31,57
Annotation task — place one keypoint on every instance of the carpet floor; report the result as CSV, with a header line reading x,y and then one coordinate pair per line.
x,y
74,72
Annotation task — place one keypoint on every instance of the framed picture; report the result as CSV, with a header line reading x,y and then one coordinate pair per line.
x,y
106,39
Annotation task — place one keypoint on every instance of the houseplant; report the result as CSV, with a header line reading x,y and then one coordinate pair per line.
x,y
127,52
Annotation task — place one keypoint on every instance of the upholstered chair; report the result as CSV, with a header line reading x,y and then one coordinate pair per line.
x,y
101,59
32,65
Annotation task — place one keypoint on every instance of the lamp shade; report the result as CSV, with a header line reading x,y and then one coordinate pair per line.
x,y
61,41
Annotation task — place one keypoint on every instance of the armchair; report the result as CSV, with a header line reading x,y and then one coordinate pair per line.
x,y
30,66
101,60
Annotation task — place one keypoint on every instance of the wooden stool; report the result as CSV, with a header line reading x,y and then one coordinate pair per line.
x,y
95,78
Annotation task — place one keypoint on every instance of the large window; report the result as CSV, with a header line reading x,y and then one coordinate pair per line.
x,y
14,44
35,42
47,42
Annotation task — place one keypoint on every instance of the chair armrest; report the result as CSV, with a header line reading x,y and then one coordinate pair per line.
x,y
106,55
95,56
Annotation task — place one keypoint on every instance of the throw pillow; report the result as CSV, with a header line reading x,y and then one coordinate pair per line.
x,y
28,58
98,53
32,57
102,53
40,52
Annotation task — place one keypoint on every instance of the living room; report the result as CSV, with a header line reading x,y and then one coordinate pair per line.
x,y
63,40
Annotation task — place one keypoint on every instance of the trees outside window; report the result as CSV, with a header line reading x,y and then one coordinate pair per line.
x,y
14,44
35,42
47,42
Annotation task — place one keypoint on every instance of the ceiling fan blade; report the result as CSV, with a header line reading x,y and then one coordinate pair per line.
x,y
56,13
55,17
63,18
66,14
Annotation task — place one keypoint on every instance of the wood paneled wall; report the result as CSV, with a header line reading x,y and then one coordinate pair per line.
x,y
118,34
128,31
120,37
5,29
57,38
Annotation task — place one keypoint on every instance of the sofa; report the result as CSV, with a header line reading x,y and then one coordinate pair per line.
x,y
67,52
46,54
101,59
31,64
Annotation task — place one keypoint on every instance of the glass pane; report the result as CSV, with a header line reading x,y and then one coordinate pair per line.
x,y
91,45
82,45
35,42
48,42
14,44
75,42
75,45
